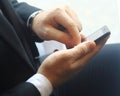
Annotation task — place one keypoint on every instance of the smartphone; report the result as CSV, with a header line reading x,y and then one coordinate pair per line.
x,y
100,34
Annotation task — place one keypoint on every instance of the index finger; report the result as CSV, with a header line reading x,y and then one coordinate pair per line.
x,y
67,22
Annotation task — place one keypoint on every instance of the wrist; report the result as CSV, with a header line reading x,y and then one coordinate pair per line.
x,y
31,17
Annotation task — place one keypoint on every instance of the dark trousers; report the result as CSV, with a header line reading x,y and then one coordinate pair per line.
x,y
100,77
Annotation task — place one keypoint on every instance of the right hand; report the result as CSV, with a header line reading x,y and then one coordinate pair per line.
x,y
62,65
60,24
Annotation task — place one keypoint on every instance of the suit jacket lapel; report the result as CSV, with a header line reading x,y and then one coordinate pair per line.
x,y
11,37
19,28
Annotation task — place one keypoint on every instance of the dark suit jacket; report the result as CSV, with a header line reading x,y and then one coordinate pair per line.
x,y
17,50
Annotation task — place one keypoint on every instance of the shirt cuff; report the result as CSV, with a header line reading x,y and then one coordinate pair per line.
x,y
43,85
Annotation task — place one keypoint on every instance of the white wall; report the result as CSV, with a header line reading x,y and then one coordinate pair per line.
x,y
118,5
92,13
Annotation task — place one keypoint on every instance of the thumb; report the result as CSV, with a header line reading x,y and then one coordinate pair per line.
x,y
83,48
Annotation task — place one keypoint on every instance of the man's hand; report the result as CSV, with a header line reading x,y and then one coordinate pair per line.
x,y
62,65
60,24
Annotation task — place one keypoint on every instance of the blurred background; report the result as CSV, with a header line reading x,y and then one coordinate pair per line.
x,y
93,14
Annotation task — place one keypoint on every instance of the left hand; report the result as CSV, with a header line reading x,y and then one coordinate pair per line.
x,y
65,64
60,24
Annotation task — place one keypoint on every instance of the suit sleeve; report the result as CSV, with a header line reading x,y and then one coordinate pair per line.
x,y
24,89
23,9
27,10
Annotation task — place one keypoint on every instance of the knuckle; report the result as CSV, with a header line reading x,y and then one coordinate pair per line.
x,y
83,50
75,54
65,55
58,10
